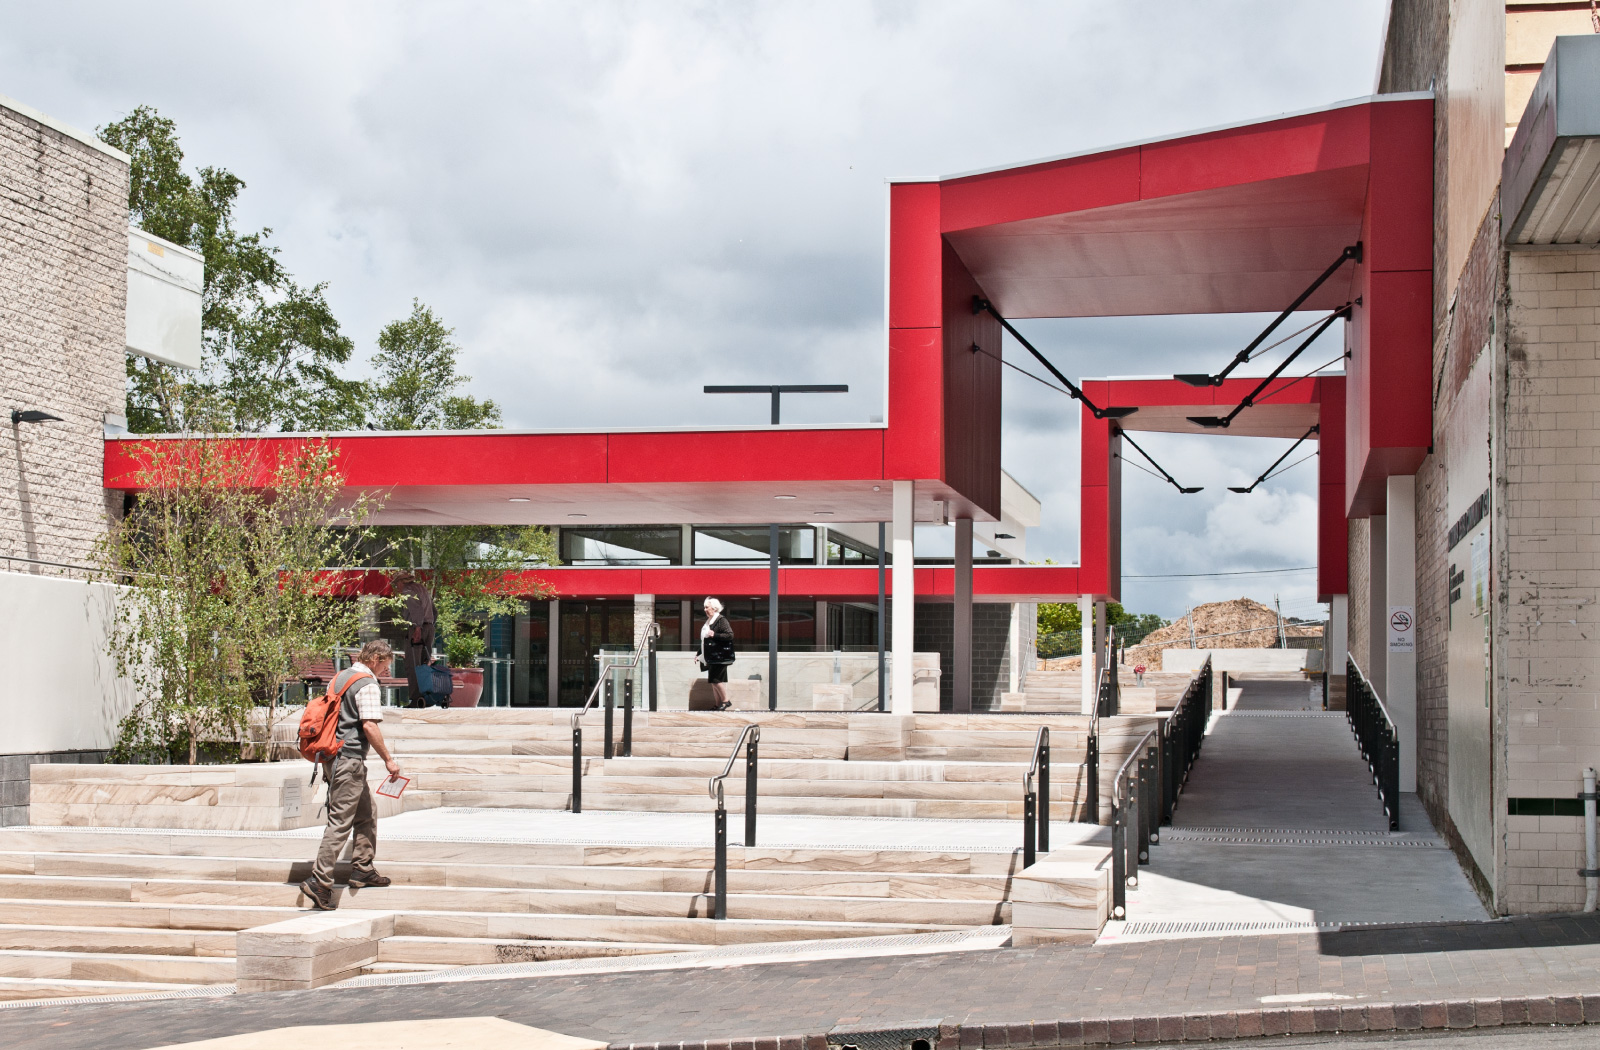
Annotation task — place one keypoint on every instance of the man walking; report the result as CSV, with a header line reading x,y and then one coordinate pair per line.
x,y
350,808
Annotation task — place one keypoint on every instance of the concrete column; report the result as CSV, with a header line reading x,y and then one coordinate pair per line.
x,y
553,655
644,614
519,666
1376,658
686,624
1086,616
961,685
1014,650
904,593
1099,638
822,639
1400,622
1338,644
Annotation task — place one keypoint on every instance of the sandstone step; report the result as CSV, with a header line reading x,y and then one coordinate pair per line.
x,y
123,940
17,988
113,966
643,928
485,951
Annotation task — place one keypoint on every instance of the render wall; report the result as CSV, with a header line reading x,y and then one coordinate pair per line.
x,y
1548,670
63,296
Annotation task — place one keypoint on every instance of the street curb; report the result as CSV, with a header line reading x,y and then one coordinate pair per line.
x,y
1206,1026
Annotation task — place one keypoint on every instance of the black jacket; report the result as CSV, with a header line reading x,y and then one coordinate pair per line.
x,y
718,648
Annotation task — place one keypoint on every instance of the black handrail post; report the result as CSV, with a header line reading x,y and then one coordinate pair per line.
x,y
1130,833
1119,861
750,792
1044,791
577,767
1154,755
1143,826
719,907
610,751
650,668
1030,817
1091,778
627,718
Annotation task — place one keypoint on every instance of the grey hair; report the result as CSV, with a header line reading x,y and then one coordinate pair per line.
x,y
715,605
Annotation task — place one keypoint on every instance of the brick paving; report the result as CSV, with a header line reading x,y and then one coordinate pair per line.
x,y
1525,971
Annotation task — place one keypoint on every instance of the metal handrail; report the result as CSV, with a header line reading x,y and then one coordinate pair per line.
x,y
646,642
751,732
1387,717
1036,806
1378,739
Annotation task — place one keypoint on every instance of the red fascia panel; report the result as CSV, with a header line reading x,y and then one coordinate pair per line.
x,y
1333,542
746,455
1275,149
1397,232
1058,582
1052,188
913,446
1094,439
915,251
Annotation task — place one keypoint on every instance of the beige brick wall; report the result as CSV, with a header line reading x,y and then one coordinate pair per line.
x,y
1550,630
1360,598
63,292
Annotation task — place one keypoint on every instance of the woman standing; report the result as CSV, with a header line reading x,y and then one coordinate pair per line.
x,y
716,651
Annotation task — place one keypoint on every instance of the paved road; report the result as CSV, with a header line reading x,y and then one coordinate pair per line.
x,y
1147,979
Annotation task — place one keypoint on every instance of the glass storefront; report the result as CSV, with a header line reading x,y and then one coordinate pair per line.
x,y
751,544
622,545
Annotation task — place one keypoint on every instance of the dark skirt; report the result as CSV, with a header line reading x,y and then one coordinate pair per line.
x,y
717,673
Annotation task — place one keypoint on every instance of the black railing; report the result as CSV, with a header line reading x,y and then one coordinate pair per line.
x,y
1145,791
1375,733
1109,694
1089,808
646,645
1036,804
751,732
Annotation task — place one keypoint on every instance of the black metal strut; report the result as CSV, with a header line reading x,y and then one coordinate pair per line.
x,y
1201,379
1265,474
1250,398
982,305
1170,479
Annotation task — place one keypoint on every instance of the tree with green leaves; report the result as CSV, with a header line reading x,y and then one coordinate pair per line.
x,y
1061,626
416,381
271,347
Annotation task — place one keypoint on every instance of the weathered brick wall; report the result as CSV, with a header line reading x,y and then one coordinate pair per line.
x,y
1549,669
63,294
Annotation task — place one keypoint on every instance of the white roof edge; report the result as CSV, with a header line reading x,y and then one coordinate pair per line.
x,y
508,432
85,137
1404,96
168,245
1020,485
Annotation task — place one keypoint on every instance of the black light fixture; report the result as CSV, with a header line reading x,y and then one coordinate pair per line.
x,y
32,415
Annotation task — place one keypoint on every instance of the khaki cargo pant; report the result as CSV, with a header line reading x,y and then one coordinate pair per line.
x,y
350,809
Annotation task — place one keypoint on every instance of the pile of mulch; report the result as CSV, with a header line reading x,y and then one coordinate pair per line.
x,y
1238,624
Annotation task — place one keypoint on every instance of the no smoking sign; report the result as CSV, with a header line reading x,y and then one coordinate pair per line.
x,y
1402,639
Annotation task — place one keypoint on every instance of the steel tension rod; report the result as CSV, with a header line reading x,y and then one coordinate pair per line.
x,y
1265,474
1250,398
1123,434
1352,252
982,305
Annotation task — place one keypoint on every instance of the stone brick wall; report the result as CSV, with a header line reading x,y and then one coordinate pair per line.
x,y
1549,667
63,296
991,638
14,780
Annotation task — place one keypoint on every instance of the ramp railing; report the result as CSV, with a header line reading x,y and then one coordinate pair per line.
x,y
752,733
605,684
1036,804
1375,734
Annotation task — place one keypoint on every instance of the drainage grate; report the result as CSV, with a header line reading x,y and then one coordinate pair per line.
x,y
1360,840
917,1036
1146,928
1236,713
203,991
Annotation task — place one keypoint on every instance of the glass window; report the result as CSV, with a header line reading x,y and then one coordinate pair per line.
x,y
846,550
622,545
747,544
797,623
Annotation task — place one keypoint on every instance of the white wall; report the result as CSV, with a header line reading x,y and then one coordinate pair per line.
x,y
58,686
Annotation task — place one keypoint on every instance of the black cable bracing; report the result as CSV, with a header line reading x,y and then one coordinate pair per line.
x,y
1265,474
1351,252
1269,395
1037,379
982,305
1149,459
1250,398
1291,466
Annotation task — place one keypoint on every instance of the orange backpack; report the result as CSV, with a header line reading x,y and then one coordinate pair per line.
x,y
319,723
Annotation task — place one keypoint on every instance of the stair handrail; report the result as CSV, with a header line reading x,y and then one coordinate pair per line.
x,y
1036,805
1128,851
646,643
752,733
1376,735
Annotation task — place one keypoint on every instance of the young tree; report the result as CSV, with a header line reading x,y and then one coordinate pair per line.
x,y
417,381
270,345
225,592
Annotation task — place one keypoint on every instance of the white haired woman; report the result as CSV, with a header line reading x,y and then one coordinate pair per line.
x,y
716,651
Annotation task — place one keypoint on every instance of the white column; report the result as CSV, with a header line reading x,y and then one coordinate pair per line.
x,y
1099,638
1376,656
1014,649
1401,622
903,591
1086,615
1338,633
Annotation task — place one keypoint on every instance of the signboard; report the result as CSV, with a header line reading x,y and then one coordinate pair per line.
x,y
1402,629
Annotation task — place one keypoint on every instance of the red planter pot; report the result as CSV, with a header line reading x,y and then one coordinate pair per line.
x,y
466,687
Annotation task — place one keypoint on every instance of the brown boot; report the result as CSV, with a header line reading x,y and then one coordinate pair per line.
x,y
360,880
321,896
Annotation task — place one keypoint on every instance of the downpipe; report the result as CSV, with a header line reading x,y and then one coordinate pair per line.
x,y
1591,850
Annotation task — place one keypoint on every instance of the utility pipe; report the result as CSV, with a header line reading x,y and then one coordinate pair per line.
x,y
1591,850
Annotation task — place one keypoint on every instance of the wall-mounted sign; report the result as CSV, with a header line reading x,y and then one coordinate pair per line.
x,y
1402,629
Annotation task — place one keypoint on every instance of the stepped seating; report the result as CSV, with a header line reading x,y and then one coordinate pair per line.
x,y
90,909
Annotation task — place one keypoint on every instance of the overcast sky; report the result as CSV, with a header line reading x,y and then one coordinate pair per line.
x,y
615,203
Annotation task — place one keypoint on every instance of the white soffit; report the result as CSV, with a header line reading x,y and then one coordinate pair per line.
x,y
165,282
1550,178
